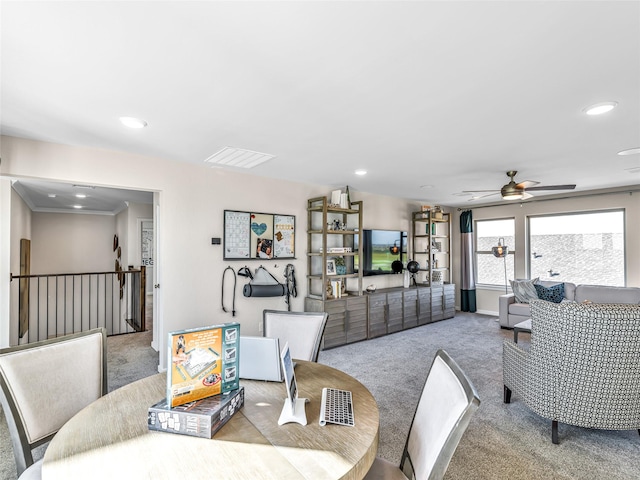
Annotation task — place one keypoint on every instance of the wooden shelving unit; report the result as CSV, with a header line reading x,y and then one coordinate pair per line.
x,y
431,245
347,320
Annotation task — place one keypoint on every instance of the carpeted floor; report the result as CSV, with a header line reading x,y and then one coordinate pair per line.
x,y
502,441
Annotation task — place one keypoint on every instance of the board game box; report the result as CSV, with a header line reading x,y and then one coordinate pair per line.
x,y
202,418
202,362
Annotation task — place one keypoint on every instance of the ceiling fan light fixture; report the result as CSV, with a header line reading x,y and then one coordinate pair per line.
x,y
600,108
512,196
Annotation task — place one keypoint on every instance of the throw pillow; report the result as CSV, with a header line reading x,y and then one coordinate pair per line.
x,y
554,293
524,290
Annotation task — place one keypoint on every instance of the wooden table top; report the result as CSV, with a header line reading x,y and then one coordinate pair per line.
x,y
110,437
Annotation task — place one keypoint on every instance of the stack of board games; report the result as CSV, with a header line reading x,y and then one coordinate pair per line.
x,y
203,362
203,381
202,418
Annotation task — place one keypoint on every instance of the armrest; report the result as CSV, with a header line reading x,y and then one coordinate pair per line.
x,y
514,365
503,307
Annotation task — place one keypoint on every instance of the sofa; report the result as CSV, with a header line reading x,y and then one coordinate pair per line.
x,y
513,312
582,366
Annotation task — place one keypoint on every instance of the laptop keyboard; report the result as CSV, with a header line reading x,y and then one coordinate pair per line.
x,y
336,407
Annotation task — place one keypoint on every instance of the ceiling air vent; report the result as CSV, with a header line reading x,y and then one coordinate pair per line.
x,y
238,157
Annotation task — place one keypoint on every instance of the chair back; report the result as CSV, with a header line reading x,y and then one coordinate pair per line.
x,y
584,366
44,384
302,330
444,410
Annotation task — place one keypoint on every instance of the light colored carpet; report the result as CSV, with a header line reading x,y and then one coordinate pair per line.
x,y
502,441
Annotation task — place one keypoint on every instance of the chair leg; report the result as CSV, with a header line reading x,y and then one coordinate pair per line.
x,y
507,394
554,431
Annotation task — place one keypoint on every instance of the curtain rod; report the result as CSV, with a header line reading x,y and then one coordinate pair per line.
x,y
630,192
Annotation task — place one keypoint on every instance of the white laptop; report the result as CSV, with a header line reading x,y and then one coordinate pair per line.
x,y
260,359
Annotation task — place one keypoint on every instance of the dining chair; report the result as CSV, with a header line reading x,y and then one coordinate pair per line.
x,y
444,410
302,330
43,384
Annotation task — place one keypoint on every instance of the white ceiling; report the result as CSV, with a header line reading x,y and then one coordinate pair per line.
x,y
431,98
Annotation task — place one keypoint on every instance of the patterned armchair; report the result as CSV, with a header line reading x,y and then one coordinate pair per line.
x,y
582,367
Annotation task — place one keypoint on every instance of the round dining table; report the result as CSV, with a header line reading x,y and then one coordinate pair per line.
x,y
110,437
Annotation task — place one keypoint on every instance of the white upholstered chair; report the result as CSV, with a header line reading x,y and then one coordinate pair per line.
x,y
44,384
302,330
443,413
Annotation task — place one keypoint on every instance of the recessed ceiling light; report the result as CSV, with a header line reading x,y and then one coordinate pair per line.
x,y
360,172
77,206
426,186
600,108
52,195
630,151
80,195
133,122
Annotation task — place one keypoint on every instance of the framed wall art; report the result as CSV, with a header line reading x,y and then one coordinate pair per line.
x,y
260,236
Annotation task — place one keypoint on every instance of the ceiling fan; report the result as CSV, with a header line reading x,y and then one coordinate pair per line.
x,y
517,191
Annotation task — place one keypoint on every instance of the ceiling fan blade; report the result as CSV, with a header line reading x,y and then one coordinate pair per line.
x,y
480,191
526,195
478,197
553,187
527,184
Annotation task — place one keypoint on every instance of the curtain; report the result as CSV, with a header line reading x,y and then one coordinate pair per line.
x,y
467,274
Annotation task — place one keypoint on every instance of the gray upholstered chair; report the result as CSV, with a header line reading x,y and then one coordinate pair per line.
x,y
302,330
44,384
582,367
444,410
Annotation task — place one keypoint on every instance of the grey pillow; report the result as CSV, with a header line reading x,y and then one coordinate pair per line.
x,y
524,290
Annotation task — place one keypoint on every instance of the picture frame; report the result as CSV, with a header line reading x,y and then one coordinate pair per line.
x,y
331,267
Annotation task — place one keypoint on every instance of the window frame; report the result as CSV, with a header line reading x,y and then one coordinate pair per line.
x,y
622,210
512,251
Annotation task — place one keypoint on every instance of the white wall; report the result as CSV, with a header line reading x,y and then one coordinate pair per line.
x,y
192,199
487,298
82,243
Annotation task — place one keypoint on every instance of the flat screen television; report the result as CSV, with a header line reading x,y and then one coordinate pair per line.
x,y
378,250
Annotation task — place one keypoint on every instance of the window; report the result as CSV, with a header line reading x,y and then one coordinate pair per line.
x,y
491,270
579,248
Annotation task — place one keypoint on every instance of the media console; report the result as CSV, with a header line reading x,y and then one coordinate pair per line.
x,y
388,310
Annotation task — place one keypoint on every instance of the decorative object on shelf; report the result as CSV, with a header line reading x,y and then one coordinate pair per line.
x,y
340,198
371,288
436,277
329,290
331,266
335,198
396,266
413,268
501,251
341,267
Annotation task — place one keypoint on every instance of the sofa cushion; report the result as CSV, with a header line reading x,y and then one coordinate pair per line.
x,y
524,290
553,294
604,294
